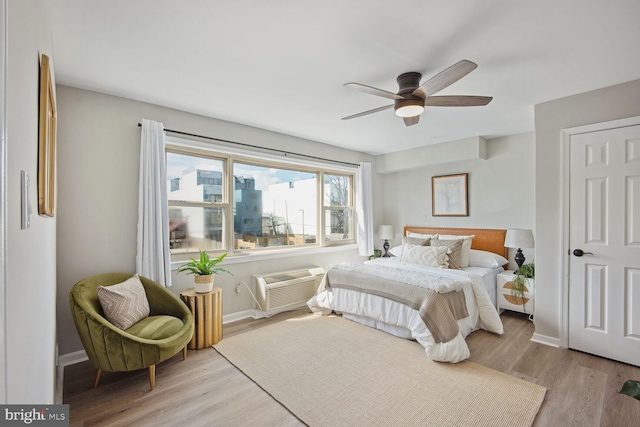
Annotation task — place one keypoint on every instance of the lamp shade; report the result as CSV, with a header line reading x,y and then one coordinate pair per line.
x,y
386,232
518,238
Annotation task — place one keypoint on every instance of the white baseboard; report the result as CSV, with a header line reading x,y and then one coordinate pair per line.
x,y
546,340
259,314
238,315
58,392
72,358
66,360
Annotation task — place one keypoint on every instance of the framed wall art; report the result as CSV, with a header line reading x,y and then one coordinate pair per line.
x,y
449,195
46,141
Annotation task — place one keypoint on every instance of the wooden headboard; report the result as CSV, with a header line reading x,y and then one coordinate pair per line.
x,y
486,239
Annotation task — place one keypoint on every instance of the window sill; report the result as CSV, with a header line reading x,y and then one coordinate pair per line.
x,y
239,258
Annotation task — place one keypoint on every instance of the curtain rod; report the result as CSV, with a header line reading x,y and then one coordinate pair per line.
x,y
256,146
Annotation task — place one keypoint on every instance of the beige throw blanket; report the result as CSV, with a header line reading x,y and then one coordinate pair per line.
x,y
439,311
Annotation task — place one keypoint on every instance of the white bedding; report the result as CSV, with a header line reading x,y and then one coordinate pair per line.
x,y
489,277
403,321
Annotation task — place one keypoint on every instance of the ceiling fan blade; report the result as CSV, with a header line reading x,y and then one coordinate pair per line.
x,y
457,101
445,78
373,91
364,113
410,121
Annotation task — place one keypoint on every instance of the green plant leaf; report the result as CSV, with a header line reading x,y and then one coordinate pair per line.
x,y
527,270
631,388
519,282
204,266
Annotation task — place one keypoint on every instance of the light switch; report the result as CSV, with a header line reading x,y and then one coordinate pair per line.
x,y
25,204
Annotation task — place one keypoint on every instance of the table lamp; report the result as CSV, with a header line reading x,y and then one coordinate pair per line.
x,y
386,232
517,238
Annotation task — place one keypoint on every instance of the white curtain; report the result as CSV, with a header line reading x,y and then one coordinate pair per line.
x,y
364,209
153,259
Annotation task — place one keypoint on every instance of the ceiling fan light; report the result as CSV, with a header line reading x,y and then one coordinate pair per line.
x,y
409,110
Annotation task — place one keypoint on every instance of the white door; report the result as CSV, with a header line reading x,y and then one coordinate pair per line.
x,y
604,283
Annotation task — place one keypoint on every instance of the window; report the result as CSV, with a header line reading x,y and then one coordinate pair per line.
x,y
283,214
223,202
196,208
338,207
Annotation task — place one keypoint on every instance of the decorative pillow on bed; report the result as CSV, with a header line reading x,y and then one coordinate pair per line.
x,y
422,241
455,257
421,236
466,246
124,304
426,255
486,259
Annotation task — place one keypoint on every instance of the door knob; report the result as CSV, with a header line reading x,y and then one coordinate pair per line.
x,y
580,252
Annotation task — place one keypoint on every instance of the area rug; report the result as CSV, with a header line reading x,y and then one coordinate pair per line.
x,y
329,371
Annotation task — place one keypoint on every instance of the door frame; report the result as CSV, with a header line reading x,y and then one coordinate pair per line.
x,y
565,194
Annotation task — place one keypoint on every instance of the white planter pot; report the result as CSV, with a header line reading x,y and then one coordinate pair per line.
x,y
204,284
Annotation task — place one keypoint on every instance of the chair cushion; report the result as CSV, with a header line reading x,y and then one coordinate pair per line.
x,y
156,327
124,304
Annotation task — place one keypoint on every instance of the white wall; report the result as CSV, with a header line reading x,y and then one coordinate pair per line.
x,y
501,189
98,155
31,253
612,103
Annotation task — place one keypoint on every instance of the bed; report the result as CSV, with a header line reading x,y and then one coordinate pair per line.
x,y
438,307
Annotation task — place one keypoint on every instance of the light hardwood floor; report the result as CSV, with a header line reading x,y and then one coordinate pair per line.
x,y
205,390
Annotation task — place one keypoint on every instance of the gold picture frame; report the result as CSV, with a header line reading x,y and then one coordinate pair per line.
x,y
46,141
449,196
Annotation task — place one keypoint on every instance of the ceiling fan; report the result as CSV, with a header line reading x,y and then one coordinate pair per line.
x,y
412,97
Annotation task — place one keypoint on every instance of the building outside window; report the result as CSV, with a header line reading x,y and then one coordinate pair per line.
x,y
277,205
196,208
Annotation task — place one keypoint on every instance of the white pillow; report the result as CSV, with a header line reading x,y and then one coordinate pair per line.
x,y
466,246
422,236
426,255
414,239
396,251
486,259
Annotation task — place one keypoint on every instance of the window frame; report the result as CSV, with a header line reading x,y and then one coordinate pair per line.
x,y
329,208
223,204
232,155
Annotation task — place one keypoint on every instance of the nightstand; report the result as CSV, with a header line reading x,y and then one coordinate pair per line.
x,y
513,301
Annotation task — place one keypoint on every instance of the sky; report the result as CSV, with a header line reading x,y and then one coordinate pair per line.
x,y
177,163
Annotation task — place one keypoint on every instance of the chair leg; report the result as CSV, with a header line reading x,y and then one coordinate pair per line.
x,y
152,376
97,380
184,353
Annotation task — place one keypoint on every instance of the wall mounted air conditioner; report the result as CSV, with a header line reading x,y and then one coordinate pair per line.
x,y
287,288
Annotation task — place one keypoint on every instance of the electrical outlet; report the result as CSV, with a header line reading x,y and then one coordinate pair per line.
x,y
238,287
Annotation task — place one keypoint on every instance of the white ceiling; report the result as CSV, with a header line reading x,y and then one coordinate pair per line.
x,y
281,64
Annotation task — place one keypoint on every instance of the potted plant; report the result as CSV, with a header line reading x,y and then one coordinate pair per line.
x,y
205,270
519,282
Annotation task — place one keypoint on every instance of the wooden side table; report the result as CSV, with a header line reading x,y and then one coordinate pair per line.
x,y
207,315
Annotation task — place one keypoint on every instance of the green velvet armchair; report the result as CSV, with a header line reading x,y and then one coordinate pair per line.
x,y
166,331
